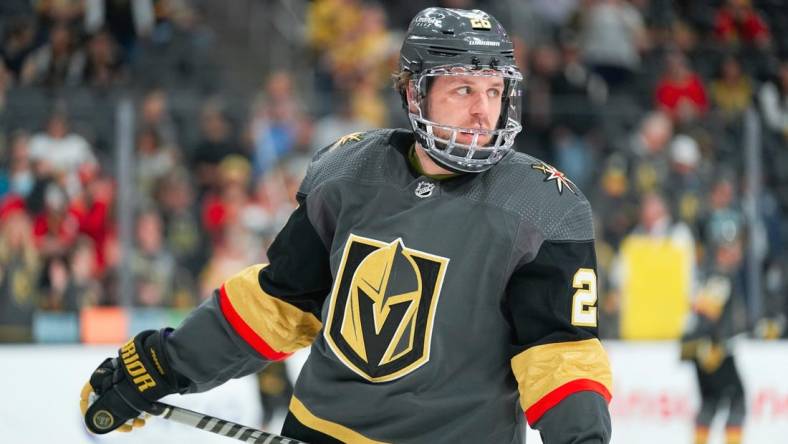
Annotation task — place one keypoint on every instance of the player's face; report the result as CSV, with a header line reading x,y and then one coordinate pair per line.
x,y
465,101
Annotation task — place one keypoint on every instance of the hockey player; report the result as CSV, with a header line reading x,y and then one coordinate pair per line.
x,y
446,284
707,341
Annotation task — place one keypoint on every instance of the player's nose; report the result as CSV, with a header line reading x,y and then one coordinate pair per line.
x,y
479,109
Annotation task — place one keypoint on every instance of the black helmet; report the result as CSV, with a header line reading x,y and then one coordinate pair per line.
x,y
456,42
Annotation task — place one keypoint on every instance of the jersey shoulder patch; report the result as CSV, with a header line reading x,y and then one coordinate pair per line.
x,y
352,137
540,194
551,174
356,155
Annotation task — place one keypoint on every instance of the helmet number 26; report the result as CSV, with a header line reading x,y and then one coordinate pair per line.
x,y
584,299
480,23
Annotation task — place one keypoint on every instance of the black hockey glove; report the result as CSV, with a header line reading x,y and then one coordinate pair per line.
x,y
127,385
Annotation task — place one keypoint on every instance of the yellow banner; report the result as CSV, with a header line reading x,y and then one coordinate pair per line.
x,y
655,289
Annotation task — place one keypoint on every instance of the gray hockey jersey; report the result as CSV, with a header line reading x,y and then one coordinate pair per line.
x,y
437,310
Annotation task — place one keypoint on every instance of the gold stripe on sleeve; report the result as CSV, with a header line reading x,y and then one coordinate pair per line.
x,y
282,326
544,368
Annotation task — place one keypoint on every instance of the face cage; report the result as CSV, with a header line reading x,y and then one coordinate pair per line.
x,y
470,157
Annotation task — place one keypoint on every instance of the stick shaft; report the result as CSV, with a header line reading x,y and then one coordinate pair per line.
x,y
218,426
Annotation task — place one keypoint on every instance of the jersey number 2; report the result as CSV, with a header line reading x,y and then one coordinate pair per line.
x,y
584,299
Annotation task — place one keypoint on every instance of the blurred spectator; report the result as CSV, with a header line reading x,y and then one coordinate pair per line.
x,y
154,161
681,92
614,202
367,102
110,277
737,23
364,51
62,152
223,208
93,209
573,156
73,283
104,67
155,115
732,91
152,264
556,12
217,142
648,157
576,91
125,20
538,106
687,182
330,21
60,62
56,227
20,265
17,176
612,37
356,53
773,98
277,123
18,43
182,229
60,12
530,22
6,83
237,223
270,205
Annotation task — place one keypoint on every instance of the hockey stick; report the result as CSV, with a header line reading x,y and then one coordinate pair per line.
x,y
218,426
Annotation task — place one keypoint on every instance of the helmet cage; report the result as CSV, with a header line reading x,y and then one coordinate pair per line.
x,y
468,157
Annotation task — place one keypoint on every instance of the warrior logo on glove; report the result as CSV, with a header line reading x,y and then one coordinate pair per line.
x,y
383,306
136,369
103,420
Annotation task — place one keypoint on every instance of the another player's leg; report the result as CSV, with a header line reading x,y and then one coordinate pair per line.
x,y
734,390
710,400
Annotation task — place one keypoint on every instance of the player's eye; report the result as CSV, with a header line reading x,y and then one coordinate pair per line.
x,y
493,93
464,90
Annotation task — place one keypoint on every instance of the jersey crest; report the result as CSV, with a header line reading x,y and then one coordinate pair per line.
x,y
382,308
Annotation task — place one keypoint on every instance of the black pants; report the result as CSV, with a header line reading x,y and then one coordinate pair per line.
x,y
717,387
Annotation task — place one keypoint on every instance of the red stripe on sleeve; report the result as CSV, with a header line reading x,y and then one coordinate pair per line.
x,y
245,331
550,400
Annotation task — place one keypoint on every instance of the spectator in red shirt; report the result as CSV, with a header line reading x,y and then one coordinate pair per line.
x,y
736,22
93,210
680,92
56,228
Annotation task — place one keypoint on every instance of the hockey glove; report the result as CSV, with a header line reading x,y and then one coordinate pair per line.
x,y
127,385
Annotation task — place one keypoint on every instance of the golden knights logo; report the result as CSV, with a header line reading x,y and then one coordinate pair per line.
x,y
383,307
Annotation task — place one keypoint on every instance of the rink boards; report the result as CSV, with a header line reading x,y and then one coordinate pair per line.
x,y
654,396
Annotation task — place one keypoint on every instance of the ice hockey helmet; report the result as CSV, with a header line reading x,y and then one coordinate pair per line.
x,y
444,41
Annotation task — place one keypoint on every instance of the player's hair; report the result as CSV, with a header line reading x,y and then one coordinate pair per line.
x,y
400,81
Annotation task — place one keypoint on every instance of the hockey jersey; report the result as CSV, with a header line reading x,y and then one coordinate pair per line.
x,y
437,310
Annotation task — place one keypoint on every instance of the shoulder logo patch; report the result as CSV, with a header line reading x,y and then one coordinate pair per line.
x,y
382,307
561,181
352,137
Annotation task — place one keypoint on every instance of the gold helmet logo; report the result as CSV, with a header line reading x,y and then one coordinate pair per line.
x,y
383,306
